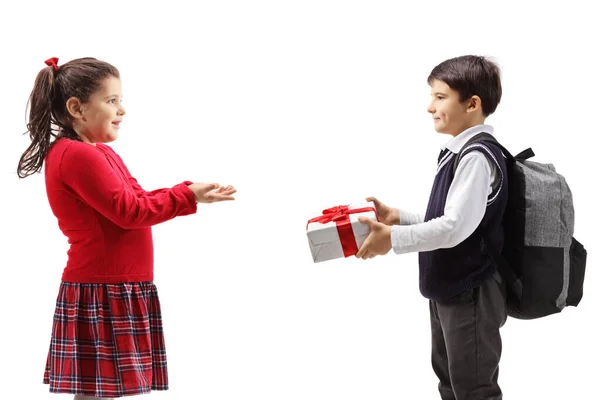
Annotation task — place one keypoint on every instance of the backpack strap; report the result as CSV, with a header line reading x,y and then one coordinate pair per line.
x,y
512,279
486,137
524,155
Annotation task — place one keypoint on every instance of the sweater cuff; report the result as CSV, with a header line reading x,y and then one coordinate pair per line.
x,y
189,195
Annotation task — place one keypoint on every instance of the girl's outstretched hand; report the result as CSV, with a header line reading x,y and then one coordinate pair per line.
x,y
211,192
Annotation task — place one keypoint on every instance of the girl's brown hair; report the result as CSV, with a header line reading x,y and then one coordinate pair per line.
x,y
48,114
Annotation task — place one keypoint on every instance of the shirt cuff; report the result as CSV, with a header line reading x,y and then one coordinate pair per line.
x,y
398,235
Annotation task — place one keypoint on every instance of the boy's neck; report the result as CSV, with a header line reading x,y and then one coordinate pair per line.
x,y
478,121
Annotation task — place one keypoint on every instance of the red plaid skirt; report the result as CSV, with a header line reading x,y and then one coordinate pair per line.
x,y
107,341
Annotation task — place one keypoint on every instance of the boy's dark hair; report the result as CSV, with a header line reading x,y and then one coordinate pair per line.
x,y
48,114
471,76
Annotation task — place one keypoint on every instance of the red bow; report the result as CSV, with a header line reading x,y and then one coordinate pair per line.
x,y
52,62
341,216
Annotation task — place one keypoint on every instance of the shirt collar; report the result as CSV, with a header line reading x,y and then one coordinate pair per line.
x,y
457,142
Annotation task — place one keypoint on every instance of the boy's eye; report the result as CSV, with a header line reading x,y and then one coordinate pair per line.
x,y
440,97
112,101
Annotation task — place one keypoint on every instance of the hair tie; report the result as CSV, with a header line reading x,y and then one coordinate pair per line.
x,y
52,62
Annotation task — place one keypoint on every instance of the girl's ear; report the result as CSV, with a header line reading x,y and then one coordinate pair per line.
x,y
75,108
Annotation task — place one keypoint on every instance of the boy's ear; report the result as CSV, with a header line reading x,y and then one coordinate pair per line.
x,y
474,103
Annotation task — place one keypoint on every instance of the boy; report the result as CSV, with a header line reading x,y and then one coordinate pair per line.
x,y
467,298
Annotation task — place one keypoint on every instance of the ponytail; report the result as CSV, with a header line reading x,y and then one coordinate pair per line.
x,y
39,126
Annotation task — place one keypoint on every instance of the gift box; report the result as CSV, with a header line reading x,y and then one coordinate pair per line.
x,y
337,233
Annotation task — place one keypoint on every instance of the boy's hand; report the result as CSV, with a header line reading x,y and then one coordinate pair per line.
x,y
387,215
379,241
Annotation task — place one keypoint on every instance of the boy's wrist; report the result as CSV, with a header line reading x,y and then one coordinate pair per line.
x,y
395,216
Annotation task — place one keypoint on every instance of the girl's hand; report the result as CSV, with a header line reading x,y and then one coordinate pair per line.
x,y
211,192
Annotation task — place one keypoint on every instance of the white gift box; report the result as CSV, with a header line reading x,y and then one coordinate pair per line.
x,y
324,237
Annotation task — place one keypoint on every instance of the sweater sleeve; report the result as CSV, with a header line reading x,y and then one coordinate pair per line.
x,y
87,172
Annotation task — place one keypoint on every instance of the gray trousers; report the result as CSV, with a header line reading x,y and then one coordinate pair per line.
x,y
466,343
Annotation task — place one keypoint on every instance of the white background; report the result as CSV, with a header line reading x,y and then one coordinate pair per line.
x,y
301,105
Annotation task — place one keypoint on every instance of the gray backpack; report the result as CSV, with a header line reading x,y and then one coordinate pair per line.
x,y
543,263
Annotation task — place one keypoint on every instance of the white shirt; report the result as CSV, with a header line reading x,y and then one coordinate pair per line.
x,y
465,205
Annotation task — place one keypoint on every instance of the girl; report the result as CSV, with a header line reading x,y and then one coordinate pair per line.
x,y
107,337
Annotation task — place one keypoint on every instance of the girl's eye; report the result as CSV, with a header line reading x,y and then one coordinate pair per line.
x,y
440,98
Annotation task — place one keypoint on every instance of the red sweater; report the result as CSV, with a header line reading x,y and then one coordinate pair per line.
x,y
105,214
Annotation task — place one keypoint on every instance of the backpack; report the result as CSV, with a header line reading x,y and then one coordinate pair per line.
x,y
541,261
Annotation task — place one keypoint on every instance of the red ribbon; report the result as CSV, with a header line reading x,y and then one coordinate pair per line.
x,y
52,62
341,216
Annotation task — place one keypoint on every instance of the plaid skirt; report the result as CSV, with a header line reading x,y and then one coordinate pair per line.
x,y
107,341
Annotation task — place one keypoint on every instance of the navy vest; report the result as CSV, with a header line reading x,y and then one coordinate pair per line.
x,y
444,273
